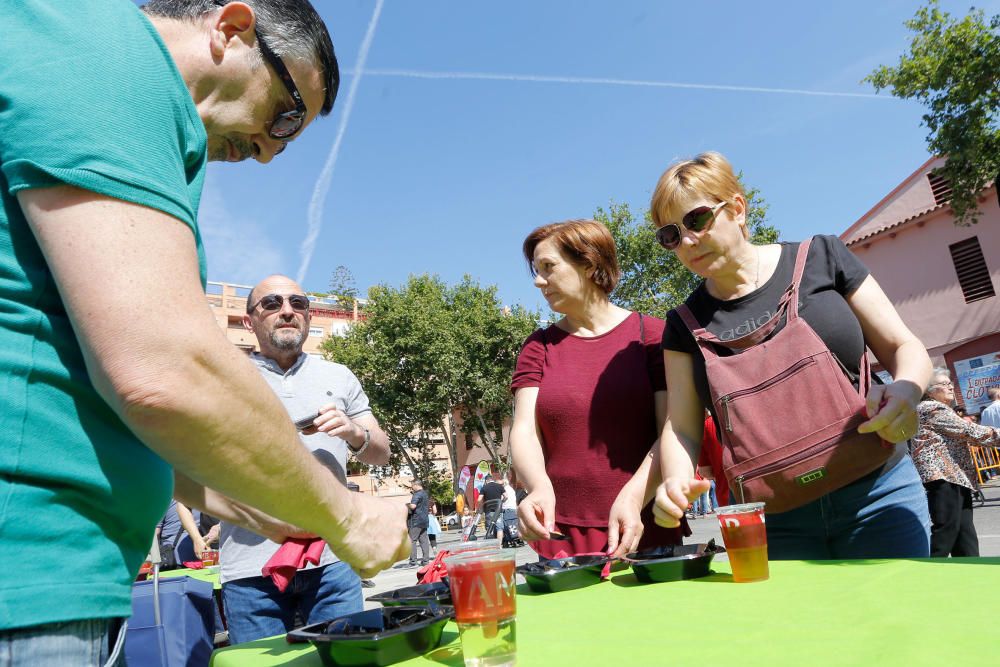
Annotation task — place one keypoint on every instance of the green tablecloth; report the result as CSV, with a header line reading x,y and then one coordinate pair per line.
x,y
898,612
203,575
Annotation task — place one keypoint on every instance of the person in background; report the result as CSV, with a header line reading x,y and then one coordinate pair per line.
x,y
177,520
941,453
419,506
277,312
508,514
701,214
110,114
467,525
433,530
493,493
589,398
990,415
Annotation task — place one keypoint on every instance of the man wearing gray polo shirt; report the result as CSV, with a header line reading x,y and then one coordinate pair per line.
x,y
278,314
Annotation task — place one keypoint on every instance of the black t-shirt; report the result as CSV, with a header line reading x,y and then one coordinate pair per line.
x,y
492,491
831,272
418,515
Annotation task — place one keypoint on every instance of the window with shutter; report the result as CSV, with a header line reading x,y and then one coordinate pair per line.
x,y
970,266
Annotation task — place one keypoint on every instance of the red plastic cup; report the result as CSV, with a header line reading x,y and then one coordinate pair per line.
x,y
745,536
483,594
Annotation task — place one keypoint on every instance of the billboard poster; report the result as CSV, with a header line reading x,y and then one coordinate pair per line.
x,y
975,376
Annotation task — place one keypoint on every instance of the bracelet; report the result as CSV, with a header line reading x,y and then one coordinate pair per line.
x,y
364,445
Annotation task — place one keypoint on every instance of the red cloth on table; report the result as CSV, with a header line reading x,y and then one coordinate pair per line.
x,y
711,457
293,555
193,564
597,419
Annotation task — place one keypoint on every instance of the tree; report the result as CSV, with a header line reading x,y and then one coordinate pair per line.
x,y
653,280
426,350
953,68
343,287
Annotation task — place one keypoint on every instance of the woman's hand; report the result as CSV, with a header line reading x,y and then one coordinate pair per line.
x,y
624,525
892,411
537,514
673,498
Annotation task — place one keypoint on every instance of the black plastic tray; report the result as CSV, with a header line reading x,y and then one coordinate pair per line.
x,y
421,595
370,638
563,574
674,563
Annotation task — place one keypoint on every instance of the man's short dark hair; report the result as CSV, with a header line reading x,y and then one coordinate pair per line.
x,y
292,28
416,482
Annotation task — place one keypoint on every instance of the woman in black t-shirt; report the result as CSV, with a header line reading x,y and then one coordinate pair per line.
x,y
700,211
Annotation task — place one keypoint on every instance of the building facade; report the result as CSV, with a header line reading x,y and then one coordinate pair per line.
x,y
942,278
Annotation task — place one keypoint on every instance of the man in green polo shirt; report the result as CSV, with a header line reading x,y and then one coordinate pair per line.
x,y
107,118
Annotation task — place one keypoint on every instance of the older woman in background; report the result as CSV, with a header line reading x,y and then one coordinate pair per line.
x,y
589,398
700,210
944,461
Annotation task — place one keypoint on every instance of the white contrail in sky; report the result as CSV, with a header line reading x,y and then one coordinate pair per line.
x,y
322,186
486,76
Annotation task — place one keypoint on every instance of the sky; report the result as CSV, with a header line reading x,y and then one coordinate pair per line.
x,y
462,126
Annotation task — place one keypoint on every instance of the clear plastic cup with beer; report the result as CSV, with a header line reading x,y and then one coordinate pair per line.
x,y
745,536
483,594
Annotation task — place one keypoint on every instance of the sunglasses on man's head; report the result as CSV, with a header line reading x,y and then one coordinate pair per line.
x,y
697,220
272,302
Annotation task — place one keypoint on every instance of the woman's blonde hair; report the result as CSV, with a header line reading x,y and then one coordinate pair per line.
x,y
706,175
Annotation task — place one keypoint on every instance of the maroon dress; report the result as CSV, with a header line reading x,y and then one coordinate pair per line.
x,y
597,419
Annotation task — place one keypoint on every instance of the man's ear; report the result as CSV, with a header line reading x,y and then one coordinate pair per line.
x,y
247,323
234,21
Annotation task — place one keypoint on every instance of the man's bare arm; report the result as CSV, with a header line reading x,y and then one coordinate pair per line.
x,y
128,276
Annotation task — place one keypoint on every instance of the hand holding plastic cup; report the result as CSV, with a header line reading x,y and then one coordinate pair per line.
x,y
483,593
745,536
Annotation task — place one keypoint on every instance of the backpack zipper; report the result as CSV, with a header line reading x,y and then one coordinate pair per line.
x,y
725,400
768,469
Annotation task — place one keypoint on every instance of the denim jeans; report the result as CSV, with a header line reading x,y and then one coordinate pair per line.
x,y
255,608
83,643
877,516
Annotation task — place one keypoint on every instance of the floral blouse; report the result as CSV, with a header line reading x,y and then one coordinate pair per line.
x,y
940,449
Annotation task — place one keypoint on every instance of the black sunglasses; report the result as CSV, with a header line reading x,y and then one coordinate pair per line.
x,y
288,123
271,302
697,220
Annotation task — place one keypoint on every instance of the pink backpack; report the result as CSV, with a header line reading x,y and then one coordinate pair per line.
x,y
787,412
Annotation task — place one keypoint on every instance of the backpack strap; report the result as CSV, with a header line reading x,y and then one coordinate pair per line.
x,y
787,305
793,289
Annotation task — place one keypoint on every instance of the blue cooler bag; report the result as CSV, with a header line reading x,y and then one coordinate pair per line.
x,y
172,624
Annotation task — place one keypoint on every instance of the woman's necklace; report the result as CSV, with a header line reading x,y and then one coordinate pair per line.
x,y
756,280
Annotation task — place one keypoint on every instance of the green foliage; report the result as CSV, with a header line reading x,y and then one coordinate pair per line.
x,y
426,349
953,68
343,287
439,487
653,280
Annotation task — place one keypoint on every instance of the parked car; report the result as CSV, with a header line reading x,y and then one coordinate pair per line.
x,y
453,520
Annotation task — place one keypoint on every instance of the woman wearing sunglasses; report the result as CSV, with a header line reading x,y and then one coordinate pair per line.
x,y
589,398
700,211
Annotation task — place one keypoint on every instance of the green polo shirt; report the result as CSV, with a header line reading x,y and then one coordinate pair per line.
x,y
89,97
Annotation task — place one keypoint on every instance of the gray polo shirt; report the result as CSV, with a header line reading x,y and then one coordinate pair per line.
x,y
302,389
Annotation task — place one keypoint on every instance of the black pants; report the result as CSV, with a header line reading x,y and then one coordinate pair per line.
x,y
952,530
